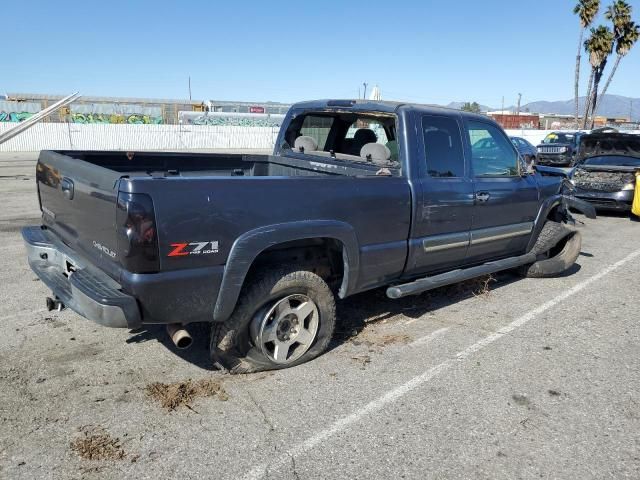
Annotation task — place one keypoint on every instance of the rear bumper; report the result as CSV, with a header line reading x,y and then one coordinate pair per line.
x,y
620,201
87,291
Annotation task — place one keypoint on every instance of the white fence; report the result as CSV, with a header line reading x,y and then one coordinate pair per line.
x,y
70,136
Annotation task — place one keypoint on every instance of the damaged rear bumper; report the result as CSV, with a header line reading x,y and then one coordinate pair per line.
x,y
87,291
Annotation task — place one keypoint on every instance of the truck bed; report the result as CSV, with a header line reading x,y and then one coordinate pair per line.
x,y
95,204
217,164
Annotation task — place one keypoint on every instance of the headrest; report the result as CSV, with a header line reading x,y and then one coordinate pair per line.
x,y
375,152
392,145
364,136
305,144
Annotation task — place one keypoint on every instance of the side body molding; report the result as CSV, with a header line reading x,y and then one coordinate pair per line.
x,y
249,245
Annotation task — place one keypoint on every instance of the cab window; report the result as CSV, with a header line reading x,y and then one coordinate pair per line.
x,y
492,154
442,147
318,128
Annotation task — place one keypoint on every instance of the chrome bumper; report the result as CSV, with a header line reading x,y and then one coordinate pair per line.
x,y
83,288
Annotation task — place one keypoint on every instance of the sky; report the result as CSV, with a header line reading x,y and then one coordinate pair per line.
x,y
417,50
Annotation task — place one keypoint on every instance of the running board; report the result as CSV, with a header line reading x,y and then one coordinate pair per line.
x,y
455,276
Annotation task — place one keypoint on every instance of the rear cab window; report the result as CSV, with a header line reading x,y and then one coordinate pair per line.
x,y
317,128
365,138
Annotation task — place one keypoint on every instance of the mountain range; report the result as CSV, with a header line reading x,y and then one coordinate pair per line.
x,y
611,106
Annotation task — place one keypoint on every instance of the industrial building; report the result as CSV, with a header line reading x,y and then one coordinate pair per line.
x,y
113,110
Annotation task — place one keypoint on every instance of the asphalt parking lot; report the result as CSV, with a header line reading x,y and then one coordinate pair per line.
x,y
530,379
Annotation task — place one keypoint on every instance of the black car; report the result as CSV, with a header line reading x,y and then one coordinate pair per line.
x,y
526,149
605,171
559,149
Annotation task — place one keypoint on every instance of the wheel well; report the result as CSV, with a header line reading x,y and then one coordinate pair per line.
x,y
322,256
557,213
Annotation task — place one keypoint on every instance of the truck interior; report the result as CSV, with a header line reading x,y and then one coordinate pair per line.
x,y
356,137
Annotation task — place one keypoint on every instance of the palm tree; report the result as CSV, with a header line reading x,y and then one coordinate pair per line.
x,y
586,11
626,34
599,46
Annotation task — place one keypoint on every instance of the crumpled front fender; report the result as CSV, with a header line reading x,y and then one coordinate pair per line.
x,y
585,207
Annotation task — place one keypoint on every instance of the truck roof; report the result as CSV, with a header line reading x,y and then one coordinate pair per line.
x,y
386,106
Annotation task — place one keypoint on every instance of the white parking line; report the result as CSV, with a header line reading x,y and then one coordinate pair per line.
x,y
391,396
21,313
428,338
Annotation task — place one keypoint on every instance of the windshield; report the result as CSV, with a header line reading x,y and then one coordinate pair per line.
x,y
613,161
559,138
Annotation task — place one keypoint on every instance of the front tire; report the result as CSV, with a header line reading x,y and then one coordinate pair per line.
x,y
557,247
283,318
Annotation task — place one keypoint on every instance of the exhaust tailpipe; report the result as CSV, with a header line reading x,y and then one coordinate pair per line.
x,y
179,336
54,304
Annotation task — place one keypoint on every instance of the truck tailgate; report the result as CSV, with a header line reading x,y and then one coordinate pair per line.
x,y
78,202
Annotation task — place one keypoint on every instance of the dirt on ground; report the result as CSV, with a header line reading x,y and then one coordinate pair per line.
x,y
182,394
370,337
95,443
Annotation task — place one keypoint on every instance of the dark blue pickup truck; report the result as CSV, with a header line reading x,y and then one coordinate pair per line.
x,y
356,195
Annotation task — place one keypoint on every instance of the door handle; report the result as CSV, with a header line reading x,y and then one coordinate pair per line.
x,y
67,188
483,196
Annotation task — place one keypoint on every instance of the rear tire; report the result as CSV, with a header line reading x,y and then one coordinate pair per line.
x,y
283,318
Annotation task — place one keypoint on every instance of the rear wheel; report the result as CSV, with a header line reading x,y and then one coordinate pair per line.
x,y
283,318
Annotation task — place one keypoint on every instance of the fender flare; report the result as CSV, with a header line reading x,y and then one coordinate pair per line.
x,y
546,207
552,202
249,245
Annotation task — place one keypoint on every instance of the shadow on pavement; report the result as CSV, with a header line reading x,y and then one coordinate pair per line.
x,y
353,313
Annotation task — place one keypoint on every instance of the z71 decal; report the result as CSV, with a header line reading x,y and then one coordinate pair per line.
x,y
193,248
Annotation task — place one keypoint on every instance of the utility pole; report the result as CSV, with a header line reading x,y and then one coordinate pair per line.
x,y
189,87
519,100
364,95
502,110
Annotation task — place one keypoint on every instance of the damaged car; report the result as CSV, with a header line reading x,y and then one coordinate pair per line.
x,y
605,171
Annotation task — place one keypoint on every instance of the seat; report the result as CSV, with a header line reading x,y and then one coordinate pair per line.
x,y
376,153
305,144
360,139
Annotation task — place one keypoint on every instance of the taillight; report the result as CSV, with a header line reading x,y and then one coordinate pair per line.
x,y
137,234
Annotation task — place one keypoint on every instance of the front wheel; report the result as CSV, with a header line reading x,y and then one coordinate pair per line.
x,y
557,248
283,318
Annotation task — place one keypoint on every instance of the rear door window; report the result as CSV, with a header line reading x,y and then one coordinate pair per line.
x,y
443,147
